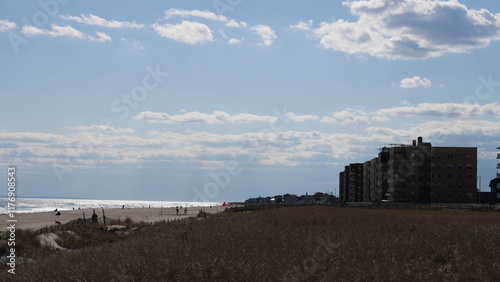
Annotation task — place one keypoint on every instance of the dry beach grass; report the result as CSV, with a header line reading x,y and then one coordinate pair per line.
x,y
311,243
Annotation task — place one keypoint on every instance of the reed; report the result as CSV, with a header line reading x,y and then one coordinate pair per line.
x,y
308,243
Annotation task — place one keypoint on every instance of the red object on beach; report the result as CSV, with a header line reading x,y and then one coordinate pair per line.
x,y
224,204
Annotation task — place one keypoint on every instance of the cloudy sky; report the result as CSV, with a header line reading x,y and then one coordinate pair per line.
x,y
230,99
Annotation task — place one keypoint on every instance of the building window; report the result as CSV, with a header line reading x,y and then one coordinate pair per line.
x,y
449,185
449,157
449,195
469,175
469,166
449,175
459,156
449,166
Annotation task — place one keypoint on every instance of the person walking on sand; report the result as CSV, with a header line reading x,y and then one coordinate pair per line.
x,y
185,210
177,210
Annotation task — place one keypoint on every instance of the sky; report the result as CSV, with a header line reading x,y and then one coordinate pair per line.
x,y
225,100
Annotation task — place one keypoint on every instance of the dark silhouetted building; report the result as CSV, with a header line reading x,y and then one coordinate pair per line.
x,y
414,173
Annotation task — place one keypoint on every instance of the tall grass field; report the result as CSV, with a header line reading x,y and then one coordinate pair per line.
x,y
310,243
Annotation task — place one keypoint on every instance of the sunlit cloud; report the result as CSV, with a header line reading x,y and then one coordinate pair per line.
x,y
186,32
412,29
90,19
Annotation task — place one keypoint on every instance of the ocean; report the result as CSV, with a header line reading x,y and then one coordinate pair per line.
x,y
30,205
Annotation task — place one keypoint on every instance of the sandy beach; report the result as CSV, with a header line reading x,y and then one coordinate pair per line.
x,y
40,220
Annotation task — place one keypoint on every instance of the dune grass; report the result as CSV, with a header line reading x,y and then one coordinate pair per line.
x,y
311,243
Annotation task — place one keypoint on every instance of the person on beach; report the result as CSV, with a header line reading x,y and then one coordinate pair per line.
x,y
177,210
185,211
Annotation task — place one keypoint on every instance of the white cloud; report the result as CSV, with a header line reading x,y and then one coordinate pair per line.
x,y
302,26
380,119
441,129
266,34
102,128
301,118
349,116
233,23
194,13
445,110
234,41
186,32
65,31
412,29
90,19
57,31
6,25
216,117
415,81
101,37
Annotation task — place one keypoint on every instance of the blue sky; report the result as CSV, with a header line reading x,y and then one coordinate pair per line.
x,y
231,99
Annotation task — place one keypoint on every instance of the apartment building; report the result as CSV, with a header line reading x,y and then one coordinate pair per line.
x,y
351,183
416,173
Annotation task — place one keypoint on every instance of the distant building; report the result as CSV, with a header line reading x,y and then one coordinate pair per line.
x,y
414,173
351,183
495,184
375,185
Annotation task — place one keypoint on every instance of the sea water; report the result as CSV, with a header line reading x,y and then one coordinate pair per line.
x,y
30,205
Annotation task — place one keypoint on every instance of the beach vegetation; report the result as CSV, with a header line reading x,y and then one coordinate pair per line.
x,y
307,243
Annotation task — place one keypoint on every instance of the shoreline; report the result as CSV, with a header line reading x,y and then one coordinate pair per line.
x,y
38,220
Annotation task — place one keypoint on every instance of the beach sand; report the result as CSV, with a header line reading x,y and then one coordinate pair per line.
x,y
39,220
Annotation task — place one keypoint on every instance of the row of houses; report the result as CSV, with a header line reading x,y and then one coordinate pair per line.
x,y
317,197
413,173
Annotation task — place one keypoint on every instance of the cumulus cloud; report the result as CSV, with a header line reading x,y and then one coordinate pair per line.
x,y
302,26
349,116
216,117
380,119
234,41
65,31
449,110
301,118
233,23
443,128
101,37
186,32
194,13
102,128
412,29
90,19
6,25
415,81
266,34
